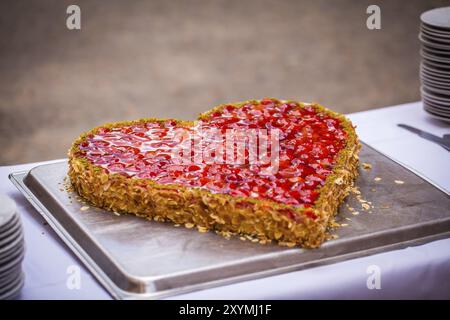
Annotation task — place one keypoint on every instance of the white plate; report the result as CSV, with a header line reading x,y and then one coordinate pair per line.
x,y
436,96
441,99
437,79
12,254
444,83
440,78
13,289
435,51
12,264
437,110
436,58
429,99
437,90
434,28
15,220
7,210
434,69
434,33
437,116
9,232
444,104
432,44
440,65
9,277
16,234
11,246
437,18
426,84
434,39
425,66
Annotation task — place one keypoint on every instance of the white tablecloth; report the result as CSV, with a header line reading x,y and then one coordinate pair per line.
x,y
415,272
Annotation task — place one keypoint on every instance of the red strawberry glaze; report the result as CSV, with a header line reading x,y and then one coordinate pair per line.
x,y
309,143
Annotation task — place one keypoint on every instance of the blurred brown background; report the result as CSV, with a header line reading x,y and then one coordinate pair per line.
x,y
135,59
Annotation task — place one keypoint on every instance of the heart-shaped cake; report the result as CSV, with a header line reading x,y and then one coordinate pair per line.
x,y
266,169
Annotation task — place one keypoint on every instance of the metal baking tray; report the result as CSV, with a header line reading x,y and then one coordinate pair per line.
x,y
136,258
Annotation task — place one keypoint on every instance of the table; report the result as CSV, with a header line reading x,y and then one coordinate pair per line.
x,y
414,272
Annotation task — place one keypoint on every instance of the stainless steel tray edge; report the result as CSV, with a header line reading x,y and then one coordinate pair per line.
x,y
18,180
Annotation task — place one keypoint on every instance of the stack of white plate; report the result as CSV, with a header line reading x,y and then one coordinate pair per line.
x,y
11,250
435,66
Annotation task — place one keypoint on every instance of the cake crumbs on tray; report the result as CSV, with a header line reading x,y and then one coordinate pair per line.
x,y
377,179
334,224
399,181
366,205
226,234
249,237
287,244
366,166
344,224
202,229
332,236
189,225
84,208
355,190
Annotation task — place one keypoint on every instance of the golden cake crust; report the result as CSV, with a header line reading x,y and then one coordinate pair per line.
x,y
260,220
